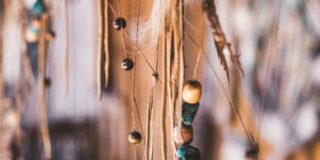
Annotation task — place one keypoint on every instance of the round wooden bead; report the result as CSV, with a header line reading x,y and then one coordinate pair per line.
x,y
191,91
47,82
183,134
134,137
119,23
252,151
188,152
127,64
50,35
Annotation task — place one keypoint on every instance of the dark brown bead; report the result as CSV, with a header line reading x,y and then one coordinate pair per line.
x,y
127,64
134,137
119,23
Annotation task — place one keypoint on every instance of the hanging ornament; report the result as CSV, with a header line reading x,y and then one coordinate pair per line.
x,y
252,151
127,64
134,137
47,82
183,134
189,112
188,152
38,8
33,31
50,35
119,23
191,91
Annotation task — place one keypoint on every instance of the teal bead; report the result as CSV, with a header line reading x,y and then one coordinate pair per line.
x,y
38,8
189,112
188,152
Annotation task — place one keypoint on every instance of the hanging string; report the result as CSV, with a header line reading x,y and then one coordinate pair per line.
x,y
44,129
106,44
134,69
66,48
130,78
271,49
233,107
99,48
196,67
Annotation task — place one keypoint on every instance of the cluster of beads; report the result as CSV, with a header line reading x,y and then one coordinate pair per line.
x,y
183,135
127,64
33,30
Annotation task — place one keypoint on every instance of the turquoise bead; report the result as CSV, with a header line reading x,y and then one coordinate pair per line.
x,y
188,152
38,8
189,112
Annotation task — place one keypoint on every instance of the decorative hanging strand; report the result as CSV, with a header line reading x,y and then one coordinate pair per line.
x,y
122,24
233,107
100,47
106,44
219,38
44,130
66,47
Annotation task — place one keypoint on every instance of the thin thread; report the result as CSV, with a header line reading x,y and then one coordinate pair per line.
x,y
267,74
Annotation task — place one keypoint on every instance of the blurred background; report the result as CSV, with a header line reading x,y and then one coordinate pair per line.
x,y
277,98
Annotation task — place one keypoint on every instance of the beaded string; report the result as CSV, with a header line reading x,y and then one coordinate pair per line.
x,y
134,68
233,107
135,105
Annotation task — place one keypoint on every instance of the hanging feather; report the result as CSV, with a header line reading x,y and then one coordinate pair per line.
x,y
219,38
154,26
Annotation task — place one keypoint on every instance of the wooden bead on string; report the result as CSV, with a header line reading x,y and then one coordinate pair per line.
x,y
191,91
252,151
189,112
134,137
183,134
127,64
47,82
119,23
188,152
50,35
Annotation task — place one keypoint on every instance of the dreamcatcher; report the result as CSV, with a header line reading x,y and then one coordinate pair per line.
x,y
180,97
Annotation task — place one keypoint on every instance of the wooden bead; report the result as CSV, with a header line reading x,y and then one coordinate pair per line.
x,y
119,23
50,35
191,91
252,151
189,112
134,137
127,64
188,152
183,134
47,82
